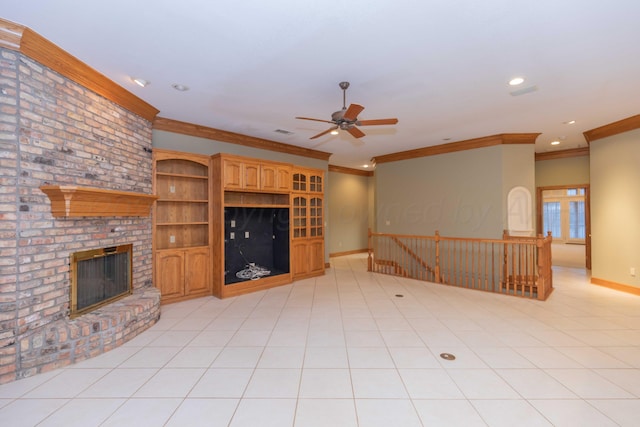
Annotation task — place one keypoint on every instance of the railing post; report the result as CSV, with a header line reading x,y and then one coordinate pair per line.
x,y
369,251
545,271
437,266
542,270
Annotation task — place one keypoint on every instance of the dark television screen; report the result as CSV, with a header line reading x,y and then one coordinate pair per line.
x,y
255,237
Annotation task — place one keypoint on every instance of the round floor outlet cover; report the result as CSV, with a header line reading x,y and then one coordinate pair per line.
x,y
448,356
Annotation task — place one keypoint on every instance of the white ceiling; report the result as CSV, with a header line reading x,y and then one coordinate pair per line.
x,y
441,67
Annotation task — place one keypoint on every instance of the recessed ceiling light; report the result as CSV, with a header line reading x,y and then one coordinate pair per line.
x,y
179,87
140,82
570,122
555,142
365,166
516,81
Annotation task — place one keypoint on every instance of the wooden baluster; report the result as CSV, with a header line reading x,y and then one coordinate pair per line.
x,y
478,264
493,271
514,271
467,269
437,266
369,250
504,278
473,270
486,266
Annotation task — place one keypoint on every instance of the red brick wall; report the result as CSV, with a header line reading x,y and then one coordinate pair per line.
x,y
54,131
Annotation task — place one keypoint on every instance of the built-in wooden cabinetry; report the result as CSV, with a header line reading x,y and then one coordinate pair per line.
x,y
216,215
307,203
251,213
245,174
181,231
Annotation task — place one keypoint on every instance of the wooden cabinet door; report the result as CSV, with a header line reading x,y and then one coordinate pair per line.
x,y
307,258
283,174
316,183
299,216
275,177
232,174
269,177
315,253
170,273
196,267
299,259
251,176
299,181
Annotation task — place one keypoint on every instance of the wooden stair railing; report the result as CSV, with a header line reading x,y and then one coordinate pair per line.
x,y
511,266
415,256
397,268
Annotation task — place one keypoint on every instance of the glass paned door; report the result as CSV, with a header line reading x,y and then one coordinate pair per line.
x,y
564,214
552,218
576,220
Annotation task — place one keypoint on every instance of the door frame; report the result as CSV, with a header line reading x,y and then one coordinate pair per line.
x,y
587,215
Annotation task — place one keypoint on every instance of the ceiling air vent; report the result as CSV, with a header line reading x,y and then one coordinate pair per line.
x,y
284,132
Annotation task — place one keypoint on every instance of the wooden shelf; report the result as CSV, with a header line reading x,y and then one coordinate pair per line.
x,y
181,229
170,224
72,201
237,198
181,175
182,201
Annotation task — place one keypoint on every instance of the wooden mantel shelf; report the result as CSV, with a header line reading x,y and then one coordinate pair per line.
x,y
73,201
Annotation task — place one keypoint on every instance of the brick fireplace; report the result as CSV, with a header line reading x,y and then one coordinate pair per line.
x,y
54,131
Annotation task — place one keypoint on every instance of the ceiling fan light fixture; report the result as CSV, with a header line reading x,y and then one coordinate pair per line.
x,y
347,118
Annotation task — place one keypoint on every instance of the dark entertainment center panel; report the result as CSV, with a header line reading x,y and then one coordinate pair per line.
x,y
256,243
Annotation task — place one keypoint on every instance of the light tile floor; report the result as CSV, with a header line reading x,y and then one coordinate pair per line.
x,y
353,348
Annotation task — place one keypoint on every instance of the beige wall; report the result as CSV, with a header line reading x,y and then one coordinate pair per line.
x,y
615,208
518,169
371,197
460,194
348,214
566,171
192,144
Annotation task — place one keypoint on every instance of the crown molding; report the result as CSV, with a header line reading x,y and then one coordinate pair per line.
x,y
342,169
26,41
452,147
615,128
561,154
175,126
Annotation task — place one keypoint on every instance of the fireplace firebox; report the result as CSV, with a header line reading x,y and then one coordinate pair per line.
x,y
99,277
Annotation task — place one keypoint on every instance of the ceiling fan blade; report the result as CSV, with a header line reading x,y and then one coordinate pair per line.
x,y
352,112
315,120
355,132
324,133
377,122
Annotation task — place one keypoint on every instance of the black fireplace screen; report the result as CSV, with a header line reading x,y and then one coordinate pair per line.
x,y
99,277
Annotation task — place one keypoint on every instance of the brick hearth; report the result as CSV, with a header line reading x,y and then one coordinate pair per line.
x,y
68,341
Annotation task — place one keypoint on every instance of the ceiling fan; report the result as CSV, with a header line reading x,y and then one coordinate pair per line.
x,y
347,118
